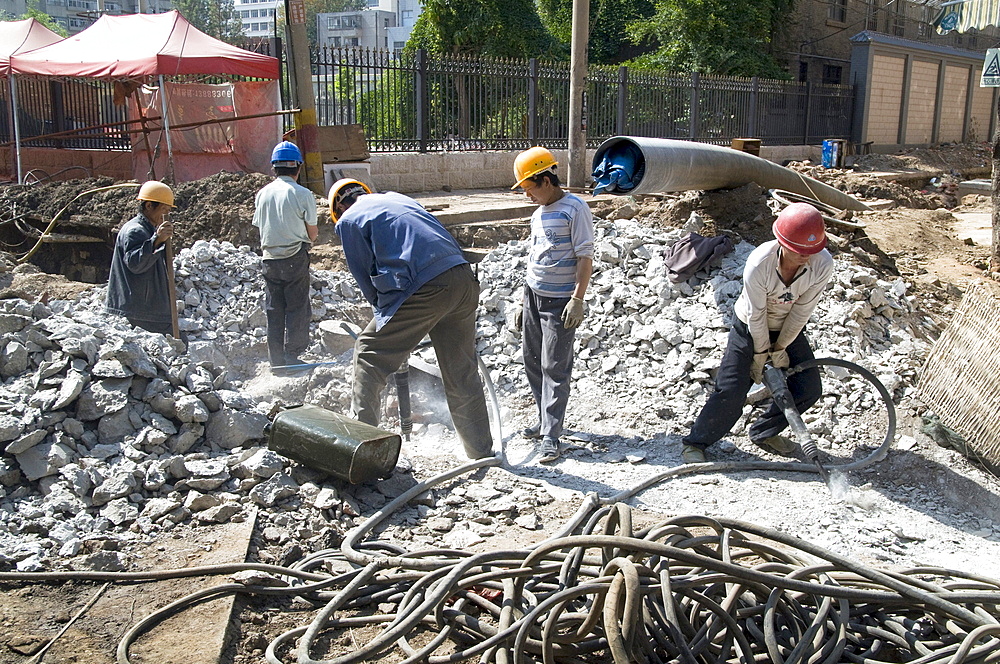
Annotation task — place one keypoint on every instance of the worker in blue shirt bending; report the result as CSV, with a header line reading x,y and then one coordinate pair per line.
x,y
411,270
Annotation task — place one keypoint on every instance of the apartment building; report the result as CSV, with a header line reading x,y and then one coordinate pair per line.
x,y
258,16
816,40
77,15
384,24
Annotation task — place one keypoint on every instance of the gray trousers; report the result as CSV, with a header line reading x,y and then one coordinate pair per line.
x,y
445,309
548,358
286,303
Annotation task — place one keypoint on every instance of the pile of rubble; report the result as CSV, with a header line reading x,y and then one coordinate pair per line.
x,y
112,435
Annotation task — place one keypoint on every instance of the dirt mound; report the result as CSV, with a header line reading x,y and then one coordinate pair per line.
x,y
217,207
946,158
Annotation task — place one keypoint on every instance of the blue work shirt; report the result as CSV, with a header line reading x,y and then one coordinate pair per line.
x,y
393,246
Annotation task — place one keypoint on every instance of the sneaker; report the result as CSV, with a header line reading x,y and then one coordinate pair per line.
x,y
777,444
548,451
532,432
692,454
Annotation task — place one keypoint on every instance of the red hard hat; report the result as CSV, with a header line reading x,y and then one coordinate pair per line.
x,y
800,228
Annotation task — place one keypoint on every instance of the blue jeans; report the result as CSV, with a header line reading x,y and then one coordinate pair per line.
x,y
548,358
286,303
732,382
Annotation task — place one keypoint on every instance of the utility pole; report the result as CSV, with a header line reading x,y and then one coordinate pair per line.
x,y
306,133
578,167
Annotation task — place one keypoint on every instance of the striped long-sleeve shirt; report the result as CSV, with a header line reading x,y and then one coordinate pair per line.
x,y
561,232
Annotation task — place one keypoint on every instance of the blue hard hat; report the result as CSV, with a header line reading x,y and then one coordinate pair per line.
x,y
286,151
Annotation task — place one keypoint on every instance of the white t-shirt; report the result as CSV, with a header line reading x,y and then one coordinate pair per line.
x,y
767,304
561,232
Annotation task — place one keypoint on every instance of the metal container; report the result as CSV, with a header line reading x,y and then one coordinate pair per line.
x,y
334,444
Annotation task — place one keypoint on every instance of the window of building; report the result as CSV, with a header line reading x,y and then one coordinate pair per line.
x,y
333,22
871,16
255,27
407,13
837,11
923,30
246,27
254,13
898,21
335,41
373,3
832,74
973,42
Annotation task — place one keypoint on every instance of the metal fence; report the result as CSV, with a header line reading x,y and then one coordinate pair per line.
x,y
82,110
426,102
423,102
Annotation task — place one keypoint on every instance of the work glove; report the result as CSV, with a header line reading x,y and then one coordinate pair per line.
x,y
519,319
779,358
572,313
757,366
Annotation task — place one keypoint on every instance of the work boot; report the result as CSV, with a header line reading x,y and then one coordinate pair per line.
x,y
692,454
532,432
777,444
548,451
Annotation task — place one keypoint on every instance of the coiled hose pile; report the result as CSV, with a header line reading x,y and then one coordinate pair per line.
x,y
690,589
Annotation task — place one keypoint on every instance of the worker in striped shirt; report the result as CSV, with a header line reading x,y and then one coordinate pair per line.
x,y
559,270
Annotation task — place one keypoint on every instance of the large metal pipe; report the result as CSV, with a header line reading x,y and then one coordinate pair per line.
x,y
665,165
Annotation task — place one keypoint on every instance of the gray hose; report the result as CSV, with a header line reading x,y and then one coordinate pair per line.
x,y
671,165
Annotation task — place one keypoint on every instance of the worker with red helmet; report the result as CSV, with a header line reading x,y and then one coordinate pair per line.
x,y
137,284
285,215
783,281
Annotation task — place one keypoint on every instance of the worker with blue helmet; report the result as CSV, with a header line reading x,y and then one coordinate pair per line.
x,y
285,215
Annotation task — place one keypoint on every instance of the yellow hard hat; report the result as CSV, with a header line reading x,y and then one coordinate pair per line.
x,y
156,191
531,162
340,189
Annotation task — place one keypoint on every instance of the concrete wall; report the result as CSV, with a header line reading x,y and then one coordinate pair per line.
x,y
409,173
912,94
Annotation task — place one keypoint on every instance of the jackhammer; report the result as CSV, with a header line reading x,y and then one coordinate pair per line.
x,y
774,380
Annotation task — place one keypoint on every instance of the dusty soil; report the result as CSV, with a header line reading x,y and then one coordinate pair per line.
x,y
915,240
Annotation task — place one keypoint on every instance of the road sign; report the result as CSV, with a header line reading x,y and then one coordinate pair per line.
x,y
991,69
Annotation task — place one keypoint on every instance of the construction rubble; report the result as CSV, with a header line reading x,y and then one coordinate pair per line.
x,y
112,436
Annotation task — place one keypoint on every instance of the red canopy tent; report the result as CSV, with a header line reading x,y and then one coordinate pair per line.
x,y
140,46
143,45
20,36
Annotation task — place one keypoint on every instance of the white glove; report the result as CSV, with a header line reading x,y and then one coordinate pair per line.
x,y
779,358
572,313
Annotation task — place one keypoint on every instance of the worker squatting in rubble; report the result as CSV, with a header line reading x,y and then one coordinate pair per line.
x,y
782,282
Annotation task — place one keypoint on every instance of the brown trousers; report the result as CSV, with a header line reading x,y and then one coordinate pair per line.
x,y
445,309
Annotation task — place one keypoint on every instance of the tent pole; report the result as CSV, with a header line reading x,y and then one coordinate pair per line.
x,y
17,129
166,128
151,171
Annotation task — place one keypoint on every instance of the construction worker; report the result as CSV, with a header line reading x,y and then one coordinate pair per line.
x,y
559,270
137,284
411,270
285,214
782,282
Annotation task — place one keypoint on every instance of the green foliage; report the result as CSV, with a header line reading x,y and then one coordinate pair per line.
x,y
216,18
730,37
608,42
497,28
381,111
43,18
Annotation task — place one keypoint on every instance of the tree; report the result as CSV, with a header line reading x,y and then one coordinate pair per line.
x,y
731,37
497,28
608,42
216,18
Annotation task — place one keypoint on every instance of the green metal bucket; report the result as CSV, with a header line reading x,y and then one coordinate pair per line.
x,y
334,444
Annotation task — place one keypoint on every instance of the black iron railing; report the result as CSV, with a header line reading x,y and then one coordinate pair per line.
x,y
426,102
419,102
